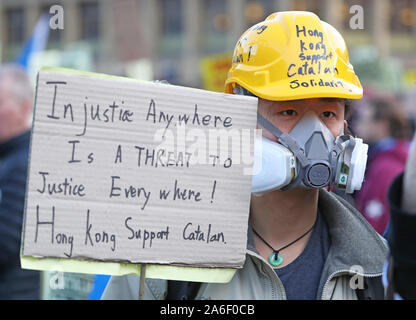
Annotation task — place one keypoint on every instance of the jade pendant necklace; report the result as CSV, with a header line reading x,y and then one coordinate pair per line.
x,y
275,258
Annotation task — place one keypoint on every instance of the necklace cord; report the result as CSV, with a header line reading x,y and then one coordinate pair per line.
x,y
277,251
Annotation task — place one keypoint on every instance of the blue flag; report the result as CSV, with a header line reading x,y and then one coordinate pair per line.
x,y
36,42
100,282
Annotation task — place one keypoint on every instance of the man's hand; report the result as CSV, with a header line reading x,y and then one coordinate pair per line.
x,y
409,181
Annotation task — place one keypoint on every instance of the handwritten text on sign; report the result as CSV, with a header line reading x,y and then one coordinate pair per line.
x,y
135,172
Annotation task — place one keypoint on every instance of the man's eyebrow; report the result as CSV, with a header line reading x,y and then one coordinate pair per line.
x,y
328,100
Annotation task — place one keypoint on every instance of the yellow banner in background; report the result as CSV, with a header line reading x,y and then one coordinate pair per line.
x,y
409,77
214,71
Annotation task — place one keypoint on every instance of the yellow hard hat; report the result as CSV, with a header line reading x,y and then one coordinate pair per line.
x,y
293,55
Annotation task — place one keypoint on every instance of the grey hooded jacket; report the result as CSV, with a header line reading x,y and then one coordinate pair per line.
x,y
356,258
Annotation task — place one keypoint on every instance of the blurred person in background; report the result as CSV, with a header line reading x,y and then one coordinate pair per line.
x,y
16,96
384,126
400,271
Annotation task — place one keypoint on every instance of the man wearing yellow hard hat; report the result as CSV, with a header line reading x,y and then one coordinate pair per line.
x,y
303,241
313,244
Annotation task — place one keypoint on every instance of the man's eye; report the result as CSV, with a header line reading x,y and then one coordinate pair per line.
x,y
288,113
328,114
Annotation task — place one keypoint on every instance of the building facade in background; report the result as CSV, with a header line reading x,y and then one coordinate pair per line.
x,y
172,36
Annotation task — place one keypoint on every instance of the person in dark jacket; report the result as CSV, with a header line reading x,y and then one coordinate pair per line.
x,y
15,109
401,232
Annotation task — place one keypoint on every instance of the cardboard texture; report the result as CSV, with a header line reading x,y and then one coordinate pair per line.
x,y
115,176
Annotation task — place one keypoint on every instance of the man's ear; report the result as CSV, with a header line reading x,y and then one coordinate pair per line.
x,y
346,130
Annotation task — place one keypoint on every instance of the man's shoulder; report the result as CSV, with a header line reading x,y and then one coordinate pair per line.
x,y
351,233
340,209
354,211
334,201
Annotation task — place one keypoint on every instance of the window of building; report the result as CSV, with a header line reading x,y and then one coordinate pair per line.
x,y
172,20
216,23
172,27
89,21
309,5
15,25
256,11
403,16
216,18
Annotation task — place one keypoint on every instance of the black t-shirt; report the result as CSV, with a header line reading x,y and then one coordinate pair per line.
x,y
301,277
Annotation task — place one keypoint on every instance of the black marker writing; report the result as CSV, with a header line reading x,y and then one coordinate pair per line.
x,y
102,237
65,188
73,151
129,192
196,118
60,238
145,234
52,115
190,233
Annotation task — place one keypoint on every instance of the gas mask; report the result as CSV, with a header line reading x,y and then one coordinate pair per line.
x,y
309,156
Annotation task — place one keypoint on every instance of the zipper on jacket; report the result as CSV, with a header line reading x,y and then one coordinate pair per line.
x,y
345,272
271,273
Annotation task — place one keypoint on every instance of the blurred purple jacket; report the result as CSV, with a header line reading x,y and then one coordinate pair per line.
x,y
386,161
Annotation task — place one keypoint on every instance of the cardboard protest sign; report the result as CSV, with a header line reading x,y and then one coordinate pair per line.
x,y
131,172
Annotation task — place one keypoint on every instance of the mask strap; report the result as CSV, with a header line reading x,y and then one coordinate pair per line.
x,y
340,145
285,138
348,155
